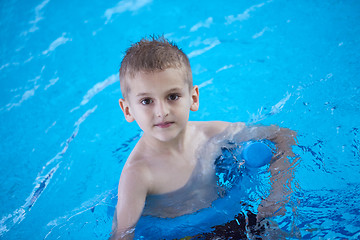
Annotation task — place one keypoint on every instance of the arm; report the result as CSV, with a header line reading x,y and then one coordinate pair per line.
x,y
281,168
132,191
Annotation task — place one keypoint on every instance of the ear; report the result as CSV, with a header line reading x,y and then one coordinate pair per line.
x,y
126,110
195,99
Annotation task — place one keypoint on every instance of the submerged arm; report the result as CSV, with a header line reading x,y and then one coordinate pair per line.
x,y
132,193
281,166
281,169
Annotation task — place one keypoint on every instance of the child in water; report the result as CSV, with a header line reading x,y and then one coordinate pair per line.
x,y
164,175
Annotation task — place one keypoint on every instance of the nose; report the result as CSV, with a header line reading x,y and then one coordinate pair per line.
x,y
162,109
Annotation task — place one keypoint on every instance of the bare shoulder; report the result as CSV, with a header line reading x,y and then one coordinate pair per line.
x,y
135,172
134,167
211,128
132,191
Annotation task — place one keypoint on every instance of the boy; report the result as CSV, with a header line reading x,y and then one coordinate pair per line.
x,y
158,93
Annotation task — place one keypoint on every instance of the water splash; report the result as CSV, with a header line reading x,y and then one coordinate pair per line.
x,y
260,115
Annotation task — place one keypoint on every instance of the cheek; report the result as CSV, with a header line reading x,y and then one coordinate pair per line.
x,y
183,112
143,114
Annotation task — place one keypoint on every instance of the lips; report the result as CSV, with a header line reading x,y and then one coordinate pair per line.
x,y
164,124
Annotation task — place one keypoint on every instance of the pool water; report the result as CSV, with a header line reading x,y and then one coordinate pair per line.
x,y
64,140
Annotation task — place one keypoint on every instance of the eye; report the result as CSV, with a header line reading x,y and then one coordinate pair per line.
x,y
146,101
173,97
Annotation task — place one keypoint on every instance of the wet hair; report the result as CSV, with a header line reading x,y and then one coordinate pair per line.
x,y
153,54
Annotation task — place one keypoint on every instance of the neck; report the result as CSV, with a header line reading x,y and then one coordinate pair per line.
x,y
176,145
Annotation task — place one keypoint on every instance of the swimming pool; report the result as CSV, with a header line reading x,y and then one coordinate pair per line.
x,y
64,139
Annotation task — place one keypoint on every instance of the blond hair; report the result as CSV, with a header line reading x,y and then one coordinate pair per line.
x,y
151,55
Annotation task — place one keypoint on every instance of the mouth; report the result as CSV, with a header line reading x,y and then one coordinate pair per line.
x,y
164,124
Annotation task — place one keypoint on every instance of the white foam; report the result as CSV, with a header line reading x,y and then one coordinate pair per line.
x,y
205,24
260,115
56,43
279,106
124,6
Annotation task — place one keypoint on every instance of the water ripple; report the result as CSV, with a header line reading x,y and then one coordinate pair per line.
x,y
38,17
205,24
260,115
211,43
56,43
124,6
41,182
243,16
98,87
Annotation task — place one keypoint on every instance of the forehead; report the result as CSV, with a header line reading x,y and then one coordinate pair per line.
x,y
156,81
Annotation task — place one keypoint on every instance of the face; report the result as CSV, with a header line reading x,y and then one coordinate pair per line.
x,y
160,103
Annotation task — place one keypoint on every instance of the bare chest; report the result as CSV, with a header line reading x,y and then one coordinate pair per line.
x,y
171,174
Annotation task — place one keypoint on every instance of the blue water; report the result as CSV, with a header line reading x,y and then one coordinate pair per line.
x,y
64,139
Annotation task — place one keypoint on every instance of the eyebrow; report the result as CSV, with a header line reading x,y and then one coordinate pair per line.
x,y
142,94
176,89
